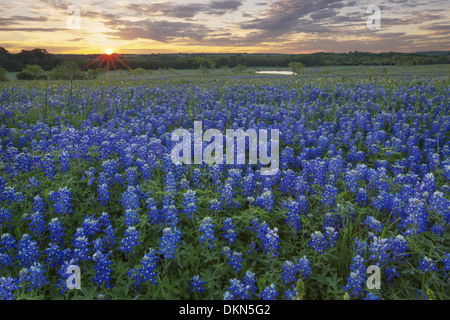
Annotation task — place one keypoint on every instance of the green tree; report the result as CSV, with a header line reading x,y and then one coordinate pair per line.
x,y
60,73
240,68
204,63
3,75
297,67
139,72
92,74
73,69
32,72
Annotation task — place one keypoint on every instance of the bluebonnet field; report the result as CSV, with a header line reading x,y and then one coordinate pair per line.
x,y
87,180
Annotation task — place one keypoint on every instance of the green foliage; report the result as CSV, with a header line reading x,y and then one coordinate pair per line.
x,y
240,68
297,67
32,72
60,73
3,75
204,63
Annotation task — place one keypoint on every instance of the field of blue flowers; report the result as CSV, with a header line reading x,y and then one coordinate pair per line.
x,y
86,180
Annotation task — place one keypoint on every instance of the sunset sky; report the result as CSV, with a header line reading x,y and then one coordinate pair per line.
x,y
252,26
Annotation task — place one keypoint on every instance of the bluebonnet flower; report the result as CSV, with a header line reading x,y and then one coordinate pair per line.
x,y
416,217
428,183
48,166
398,247
236,261
64,275
228,196
103,269
118,178
249,184
371,296
237,291
427,265
215,174
437,229
131,217
291,293
290,272
5,216
329,195
81,245
184,184
5,260
110,237
318,242
130,198
332,235
170,215
39,204
249,281
357,276
56,231
270,242
215,205
226,251
197,284
269,293
146,271
34,275
304,266
373,224
169,241
110,167
265,200
379,250
7,242
33,182
7,286
10,195
90,225
37,223
229,231
56,256
170,189
99,245
390,273
207,230
293,218
130,240
131,176
90,176
351,178
103,194
196,175
153,211
189,203
446,261
28,251
62,200
288,182
64,159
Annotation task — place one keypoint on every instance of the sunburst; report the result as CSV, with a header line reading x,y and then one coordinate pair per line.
x,y
109,58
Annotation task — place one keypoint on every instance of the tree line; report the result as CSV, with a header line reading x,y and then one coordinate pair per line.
x,y
16,62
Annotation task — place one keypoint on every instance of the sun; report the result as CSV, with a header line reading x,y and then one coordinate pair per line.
x,y
109,51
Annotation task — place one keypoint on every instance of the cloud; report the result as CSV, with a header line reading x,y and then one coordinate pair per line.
x,y
18,19
282,16
34,29
159,30
174,10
